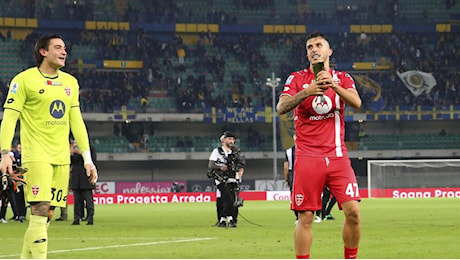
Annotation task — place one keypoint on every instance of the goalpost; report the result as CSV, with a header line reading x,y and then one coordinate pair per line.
x,y
390,175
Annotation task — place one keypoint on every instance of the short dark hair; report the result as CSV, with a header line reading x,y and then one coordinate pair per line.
x,y
315,35
229,134
43,43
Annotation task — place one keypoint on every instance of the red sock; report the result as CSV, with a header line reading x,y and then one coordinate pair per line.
x,y
351,253
302,256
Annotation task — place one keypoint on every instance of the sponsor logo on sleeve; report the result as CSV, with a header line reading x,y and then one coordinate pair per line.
x,y
14,88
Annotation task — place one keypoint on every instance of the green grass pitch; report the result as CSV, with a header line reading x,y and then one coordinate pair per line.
x,y
391,228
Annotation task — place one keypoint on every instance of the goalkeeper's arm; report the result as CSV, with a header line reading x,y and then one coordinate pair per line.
x,y
10,117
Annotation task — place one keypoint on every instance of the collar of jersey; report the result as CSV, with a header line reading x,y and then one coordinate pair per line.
x,y
46,75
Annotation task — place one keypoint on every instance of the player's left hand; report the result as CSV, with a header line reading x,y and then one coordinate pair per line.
x,y
91,172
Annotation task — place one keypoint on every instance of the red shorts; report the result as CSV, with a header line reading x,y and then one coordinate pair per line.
x,y
311,174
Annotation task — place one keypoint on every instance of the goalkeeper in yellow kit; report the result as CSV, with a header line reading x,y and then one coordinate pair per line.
x,y
46,100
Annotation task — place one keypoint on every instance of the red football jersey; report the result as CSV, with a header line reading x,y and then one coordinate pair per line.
x,y
319,120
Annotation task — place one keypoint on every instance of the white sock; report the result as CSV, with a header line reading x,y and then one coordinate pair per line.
x,y
222,219
229,218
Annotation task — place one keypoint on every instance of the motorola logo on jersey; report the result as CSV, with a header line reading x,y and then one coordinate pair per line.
x,y
57,109
322,104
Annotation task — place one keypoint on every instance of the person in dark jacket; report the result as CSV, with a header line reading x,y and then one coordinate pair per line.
x,y
81,186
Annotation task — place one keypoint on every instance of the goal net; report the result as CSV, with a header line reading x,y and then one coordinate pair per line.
x,y
413,178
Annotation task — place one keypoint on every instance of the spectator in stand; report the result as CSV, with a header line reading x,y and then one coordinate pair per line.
x,y
145,141
443,132
188,142
181,54
144,104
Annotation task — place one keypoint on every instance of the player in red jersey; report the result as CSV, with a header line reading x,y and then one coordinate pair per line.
x,y
321,155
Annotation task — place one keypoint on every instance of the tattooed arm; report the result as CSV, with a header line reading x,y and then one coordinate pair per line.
x,y
287,103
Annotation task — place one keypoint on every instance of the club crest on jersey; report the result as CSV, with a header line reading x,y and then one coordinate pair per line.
x,y
67,91
298,199
14,88
322,104
35,190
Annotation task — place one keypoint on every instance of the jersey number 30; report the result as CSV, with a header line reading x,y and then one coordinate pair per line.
x,y
58,196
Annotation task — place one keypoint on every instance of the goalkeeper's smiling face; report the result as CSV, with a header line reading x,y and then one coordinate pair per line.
x,y
55,55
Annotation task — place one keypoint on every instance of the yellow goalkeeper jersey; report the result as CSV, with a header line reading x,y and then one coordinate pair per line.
x,y
44,104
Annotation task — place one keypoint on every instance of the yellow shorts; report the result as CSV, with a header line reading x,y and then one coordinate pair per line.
x,y
47,182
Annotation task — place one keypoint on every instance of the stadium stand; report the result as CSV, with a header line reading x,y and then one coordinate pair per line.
x,y
410,141
217,70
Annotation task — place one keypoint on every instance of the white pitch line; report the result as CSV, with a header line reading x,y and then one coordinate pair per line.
x,y
118,246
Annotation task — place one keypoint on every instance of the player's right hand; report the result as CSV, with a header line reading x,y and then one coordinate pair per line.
x,y
6,164
91,172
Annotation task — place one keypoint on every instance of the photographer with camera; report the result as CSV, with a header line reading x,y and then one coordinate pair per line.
x,y
226,167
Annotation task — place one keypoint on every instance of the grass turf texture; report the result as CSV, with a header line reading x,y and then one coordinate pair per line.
x,y
391,228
